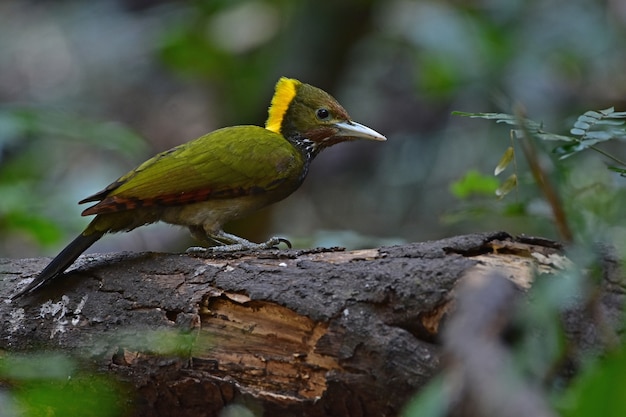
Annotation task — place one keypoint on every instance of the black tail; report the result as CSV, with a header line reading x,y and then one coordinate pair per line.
x,y
62,261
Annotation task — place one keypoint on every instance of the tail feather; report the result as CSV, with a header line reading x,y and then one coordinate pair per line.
x,y
62,261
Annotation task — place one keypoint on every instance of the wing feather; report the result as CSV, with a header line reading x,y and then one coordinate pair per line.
x,y
227,162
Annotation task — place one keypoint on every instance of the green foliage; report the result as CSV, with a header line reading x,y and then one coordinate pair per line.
x,y
37,366
13,218
163,342
474,183
507,186
439,76
582,198
217,41
49,384
432,401
521,124
25,135
23,123
505,161
537,350
56,385
91,396
591,200
590,129
599,390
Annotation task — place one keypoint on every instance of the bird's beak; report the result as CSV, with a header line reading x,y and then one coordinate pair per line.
x,y
354,130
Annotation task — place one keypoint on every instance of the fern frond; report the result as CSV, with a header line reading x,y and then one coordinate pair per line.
x,y
532,127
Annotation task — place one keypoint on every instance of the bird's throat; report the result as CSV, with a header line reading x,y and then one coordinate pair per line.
x,y
307,148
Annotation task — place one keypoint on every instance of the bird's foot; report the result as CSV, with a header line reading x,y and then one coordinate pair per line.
x,y
236,243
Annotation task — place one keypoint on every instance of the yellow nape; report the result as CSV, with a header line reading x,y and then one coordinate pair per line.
x,y
285,92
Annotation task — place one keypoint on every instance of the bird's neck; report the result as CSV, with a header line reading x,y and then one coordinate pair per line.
x,y
307,147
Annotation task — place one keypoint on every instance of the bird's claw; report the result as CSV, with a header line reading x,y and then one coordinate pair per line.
x,y
275,241
240,246
196,249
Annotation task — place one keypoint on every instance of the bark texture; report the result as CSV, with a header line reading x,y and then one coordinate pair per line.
x,y
323,332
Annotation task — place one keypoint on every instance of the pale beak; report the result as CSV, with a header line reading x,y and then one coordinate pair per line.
x,y
356,130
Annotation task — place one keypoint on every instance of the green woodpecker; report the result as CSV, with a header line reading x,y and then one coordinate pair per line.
x,y
221,176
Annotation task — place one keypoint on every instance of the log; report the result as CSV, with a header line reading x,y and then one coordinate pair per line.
x,y
323,332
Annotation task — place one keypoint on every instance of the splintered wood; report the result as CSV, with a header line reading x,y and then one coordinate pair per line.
x,y
270,348
521,262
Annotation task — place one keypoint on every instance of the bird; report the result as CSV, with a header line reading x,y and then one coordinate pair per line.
x,y
221,176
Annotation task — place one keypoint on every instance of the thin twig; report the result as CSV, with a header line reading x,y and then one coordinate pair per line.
x,y
608,155
546,187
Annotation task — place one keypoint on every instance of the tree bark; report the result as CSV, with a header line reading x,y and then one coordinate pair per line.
x,y
322,332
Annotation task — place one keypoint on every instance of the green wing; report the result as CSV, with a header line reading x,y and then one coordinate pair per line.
x,y
226,162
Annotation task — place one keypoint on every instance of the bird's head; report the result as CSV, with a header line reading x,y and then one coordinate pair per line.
x,y
310,117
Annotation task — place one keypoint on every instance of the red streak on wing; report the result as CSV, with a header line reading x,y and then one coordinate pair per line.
x,y
117,203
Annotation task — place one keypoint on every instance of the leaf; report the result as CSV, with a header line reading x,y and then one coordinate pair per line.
x,y
515,209
582,125
590,120
565,151
93,396
506,159
507,186
432,401
620,171
610,122
497,116
598,391
590,128
46,231
474,183
554,136
568,150
587,118
596,137
534,128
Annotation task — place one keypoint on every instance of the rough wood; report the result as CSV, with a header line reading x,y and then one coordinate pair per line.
x,y
290,333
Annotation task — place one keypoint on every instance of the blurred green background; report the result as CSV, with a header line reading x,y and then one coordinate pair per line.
x,y
89,89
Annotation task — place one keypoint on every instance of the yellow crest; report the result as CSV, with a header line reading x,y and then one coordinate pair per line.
x,y
285,92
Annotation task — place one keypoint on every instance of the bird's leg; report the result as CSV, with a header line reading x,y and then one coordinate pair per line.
x,y
233,243
227,242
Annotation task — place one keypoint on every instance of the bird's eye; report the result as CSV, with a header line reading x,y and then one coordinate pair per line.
x,y
323,114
